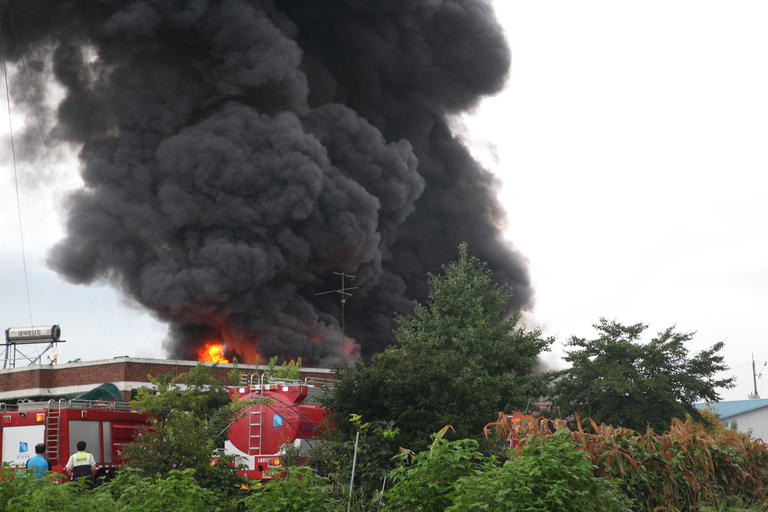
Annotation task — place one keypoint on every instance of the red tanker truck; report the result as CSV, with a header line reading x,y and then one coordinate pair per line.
x,y
275,416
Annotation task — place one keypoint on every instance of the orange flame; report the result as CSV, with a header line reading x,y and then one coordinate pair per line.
x,y
212,353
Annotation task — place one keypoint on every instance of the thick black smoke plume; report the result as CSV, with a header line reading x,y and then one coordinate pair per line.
x,y
237,153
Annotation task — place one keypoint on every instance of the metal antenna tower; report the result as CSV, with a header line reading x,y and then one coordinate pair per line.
x,y
342,295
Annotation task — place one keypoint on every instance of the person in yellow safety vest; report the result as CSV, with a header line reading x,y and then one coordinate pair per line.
x,y
80,463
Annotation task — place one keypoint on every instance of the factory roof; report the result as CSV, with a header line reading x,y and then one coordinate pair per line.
x,y
126,373
732,408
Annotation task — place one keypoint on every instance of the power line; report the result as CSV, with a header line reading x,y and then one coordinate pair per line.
x,y
15,176
57,189
39,124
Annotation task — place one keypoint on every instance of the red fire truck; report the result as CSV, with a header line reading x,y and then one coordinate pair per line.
x,y
60,424
276,416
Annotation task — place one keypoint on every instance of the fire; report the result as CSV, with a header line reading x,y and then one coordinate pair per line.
x,y
212,353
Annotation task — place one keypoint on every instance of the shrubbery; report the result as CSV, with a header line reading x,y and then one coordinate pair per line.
x,y
549,473
424,482
554,468
301,490
128,492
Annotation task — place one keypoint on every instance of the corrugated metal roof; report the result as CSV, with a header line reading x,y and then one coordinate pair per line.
x,y
733,408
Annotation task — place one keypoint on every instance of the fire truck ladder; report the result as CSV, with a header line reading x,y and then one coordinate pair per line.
x,y
254,430
52,427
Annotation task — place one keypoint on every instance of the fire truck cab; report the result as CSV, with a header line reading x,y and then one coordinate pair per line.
x,y
275,416
105,426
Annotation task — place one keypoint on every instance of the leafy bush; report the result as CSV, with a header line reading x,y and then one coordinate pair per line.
x,y
177,491
300,490
424,481
45,495
11,486
332,456
20,491
548,474
129,491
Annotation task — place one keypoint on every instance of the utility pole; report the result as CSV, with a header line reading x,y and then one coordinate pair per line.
x,y
343,294
755,375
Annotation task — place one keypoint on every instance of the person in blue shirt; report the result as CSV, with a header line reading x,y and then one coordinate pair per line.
x,y
39,464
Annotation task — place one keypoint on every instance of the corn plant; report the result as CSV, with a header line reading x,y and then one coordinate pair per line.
x,y
687,467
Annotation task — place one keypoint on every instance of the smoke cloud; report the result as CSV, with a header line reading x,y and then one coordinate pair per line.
x,y
237,153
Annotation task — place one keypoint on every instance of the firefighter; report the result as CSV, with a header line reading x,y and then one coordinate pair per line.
x,y
39,464
81,463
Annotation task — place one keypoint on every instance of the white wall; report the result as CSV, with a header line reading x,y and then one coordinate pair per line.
x,y
755,421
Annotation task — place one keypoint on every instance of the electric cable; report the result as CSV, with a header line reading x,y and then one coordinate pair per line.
x,y
15,174
57,189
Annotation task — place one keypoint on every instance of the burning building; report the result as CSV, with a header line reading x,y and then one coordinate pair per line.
x,y
236,153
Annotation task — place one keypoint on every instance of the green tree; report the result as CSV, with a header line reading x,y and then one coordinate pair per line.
x,y
190,413
617,379
459,361
288,370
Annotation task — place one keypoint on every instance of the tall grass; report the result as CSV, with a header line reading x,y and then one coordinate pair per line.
x,y
685,468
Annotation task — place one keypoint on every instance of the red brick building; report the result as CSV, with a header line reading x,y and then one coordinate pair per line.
x,y
127,373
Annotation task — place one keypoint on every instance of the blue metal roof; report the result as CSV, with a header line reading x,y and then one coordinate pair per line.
x,y
733,408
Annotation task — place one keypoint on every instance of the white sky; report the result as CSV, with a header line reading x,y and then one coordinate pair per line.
x,y
632,143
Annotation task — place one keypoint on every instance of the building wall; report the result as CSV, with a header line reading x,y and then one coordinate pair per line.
x,y
126,373
754,422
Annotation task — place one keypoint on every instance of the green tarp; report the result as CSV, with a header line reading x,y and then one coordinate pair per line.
x,y
107,392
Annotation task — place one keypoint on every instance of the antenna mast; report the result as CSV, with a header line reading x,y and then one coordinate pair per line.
x,y
343,294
